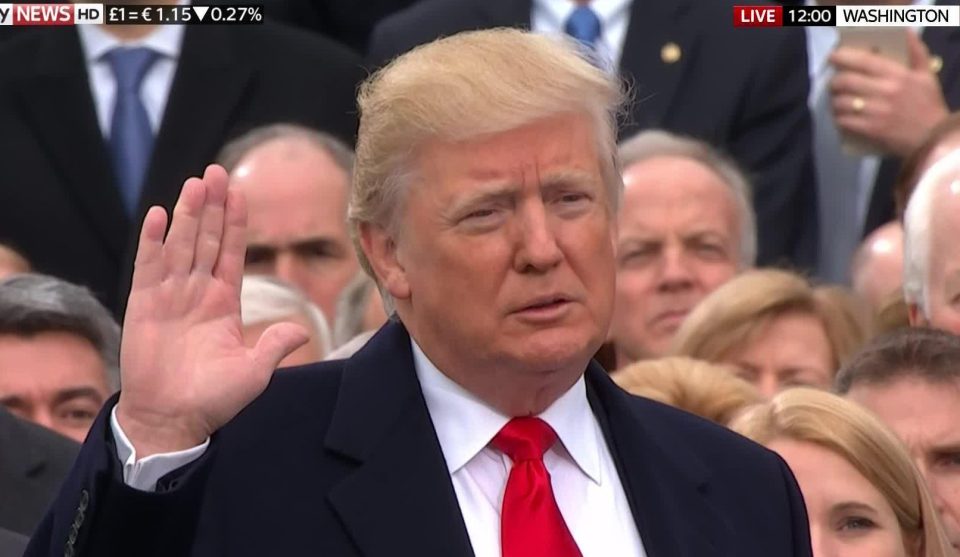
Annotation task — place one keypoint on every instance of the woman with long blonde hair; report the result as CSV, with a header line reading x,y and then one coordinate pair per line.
x,y
864,497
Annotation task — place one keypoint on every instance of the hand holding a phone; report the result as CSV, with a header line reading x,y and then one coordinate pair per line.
x,y
888,105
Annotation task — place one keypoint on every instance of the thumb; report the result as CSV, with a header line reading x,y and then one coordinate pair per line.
x,y
919,55
279,340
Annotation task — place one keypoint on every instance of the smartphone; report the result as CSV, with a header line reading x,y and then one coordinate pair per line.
x,y
889,42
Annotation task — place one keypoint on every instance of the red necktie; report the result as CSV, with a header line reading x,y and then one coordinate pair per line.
x,y
530,521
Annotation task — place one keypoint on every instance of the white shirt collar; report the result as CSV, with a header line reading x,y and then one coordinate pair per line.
x,y
465,425
560,10
165,39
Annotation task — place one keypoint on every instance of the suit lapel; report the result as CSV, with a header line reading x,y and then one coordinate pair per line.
x,y
210,83
57,102
655,56
381,422
665,483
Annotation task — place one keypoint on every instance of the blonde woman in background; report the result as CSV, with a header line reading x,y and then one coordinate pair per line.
x,y
777,329
707,390
864,497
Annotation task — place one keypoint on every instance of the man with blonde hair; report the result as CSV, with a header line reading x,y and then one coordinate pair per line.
x,y
484,197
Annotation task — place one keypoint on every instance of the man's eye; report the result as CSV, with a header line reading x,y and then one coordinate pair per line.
x,y
313,251
258,256
480,214
573,197
77,415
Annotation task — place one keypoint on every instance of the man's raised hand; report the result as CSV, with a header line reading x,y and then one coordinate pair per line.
x,y
185,371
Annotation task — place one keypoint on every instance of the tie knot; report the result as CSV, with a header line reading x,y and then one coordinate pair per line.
x,y
130,65
525,439
583,25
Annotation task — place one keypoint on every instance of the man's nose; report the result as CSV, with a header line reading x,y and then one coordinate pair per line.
x,y
290,268
676,271
538,249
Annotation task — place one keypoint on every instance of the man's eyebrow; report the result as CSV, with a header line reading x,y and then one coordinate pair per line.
x,y
487,192
77,392
566,177
11,400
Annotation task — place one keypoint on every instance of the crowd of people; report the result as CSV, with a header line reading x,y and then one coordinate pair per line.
x,y
464,230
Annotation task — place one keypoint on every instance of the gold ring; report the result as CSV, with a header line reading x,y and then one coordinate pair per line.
x,y
858,104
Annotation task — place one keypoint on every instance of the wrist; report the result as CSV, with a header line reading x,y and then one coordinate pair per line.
x,y
152,435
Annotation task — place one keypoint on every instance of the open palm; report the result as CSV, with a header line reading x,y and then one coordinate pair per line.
x,y
184,368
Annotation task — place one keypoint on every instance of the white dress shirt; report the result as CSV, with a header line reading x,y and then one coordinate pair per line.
x,y
549,17
582,471
95,42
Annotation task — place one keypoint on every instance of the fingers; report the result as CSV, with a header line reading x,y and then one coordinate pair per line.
x,y
918,52
210,229
179,249
275,343
233,248
859,84
148,265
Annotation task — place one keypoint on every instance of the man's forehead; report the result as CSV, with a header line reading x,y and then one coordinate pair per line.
x,y
909,396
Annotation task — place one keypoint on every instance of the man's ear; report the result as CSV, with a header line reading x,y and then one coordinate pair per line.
x,y
381,250
915,316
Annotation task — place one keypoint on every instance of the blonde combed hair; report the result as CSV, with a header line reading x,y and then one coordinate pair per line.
x,y
842,427
708,390
741,309
468,86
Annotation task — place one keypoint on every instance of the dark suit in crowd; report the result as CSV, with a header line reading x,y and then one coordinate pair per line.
x,y
743,90
342,458
33,463
60,205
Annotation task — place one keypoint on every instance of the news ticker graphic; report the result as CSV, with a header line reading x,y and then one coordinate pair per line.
x,y
846,16
115,14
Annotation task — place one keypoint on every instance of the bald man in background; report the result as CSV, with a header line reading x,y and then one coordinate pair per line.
x,y
296,181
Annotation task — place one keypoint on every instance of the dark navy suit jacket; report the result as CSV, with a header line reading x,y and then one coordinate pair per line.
x,y
341,458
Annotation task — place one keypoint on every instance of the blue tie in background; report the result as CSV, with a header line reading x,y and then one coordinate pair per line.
x,y
131,137
583,25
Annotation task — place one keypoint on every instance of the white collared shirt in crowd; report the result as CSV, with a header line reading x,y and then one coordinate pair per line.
x,y
550,16
96,42
582,471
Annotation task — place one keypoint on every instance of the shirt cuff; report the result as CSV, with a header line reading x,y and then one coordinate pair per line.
x,y
143,474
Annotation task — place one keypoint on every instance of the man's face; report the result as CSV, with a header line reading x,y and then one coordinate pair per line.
x,y
55,379
678,241
504,261
943,276
926,417
297,231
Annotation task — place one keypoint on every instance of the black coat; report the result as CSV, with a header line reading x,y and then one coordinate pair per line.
x,y
341,458
59,203
34,461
